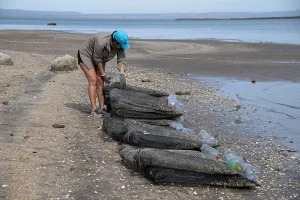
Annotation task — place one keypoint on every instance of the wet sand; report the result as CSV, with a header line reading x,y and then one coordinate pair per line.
x,y
81,162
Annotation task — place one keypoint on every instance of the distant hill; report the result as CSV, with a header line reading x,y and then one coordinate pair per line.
x,y
250,18
14,13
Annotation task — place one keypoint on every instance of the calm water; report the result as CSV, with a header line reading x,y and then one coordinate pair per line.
x,y
272,30
277,104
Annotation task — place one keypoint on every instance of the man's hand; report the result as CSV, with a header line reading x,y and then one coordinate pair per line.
x,y
122,81
106,79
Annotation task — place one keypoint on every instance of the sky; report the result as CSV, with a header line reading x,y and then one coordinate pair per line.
x,y
153,6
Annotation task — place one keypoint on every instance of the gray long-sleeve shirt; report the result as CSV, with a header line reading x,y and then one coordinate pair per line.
x,y
97,49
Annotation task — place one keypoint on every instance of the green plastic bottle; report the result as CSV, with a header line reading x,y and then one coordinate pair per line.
x,y
234,164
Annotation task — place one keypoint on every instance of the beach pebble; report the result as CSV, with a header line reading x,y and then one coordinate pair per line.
x,y
146,80
183,93
64,63
5,59
58,126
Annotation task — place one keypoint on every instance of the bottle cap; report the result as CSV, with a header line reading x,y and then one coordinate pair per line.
x,y
218,156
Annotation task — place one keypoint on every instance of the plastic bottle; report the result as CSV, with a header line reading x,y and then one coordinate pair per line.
x,y
235,165
238,164
230,154
233,161
179,106
180,119
187,130
177,126
250,172
208,150
172,101
208,139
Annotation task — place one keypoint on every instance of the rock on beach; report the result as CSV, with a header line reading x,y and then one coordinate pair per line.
x,y
5,59
64,63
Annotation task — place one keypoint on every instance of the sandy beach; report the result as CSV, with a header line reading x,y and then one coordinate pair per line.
x,y
80,161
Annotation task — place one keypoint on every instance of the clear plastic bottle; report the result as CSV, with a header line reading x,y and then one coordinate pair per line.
x,y
206,138
230,154
208,150
180,119
172,101
250,172
177,126
187,130
179,106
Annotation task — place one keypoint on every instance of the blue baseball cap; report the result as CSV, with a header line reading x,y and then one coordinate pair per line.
x,y
122,38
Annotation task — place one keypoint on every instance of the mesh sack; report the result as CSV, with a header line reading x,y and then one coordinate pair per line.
x,y
161,175
145,135
114,127
130,104
176,159
141,139
184,167
155,93
157,122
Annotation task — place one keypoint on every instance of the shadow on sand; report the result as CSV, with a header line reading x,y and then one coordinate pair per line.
x,y
85,108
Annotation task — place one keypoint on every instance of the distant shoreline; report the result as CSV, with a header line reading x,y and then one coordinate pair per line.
x,y
141,19
250,18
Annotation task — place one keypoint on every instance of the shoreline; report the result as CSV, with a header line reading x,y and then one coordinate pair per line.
x,y
202,57
81,157
184,40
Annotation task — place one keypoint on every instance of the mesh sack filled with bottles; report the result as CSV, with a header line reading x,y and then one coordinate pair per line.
x,y
161,175
178,159
139,105
144,135
108,88
155,93
114,127
182,161
157,122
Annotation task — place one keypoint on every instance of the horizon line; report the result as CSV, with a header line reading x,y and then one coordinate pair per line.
x,y
148,13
